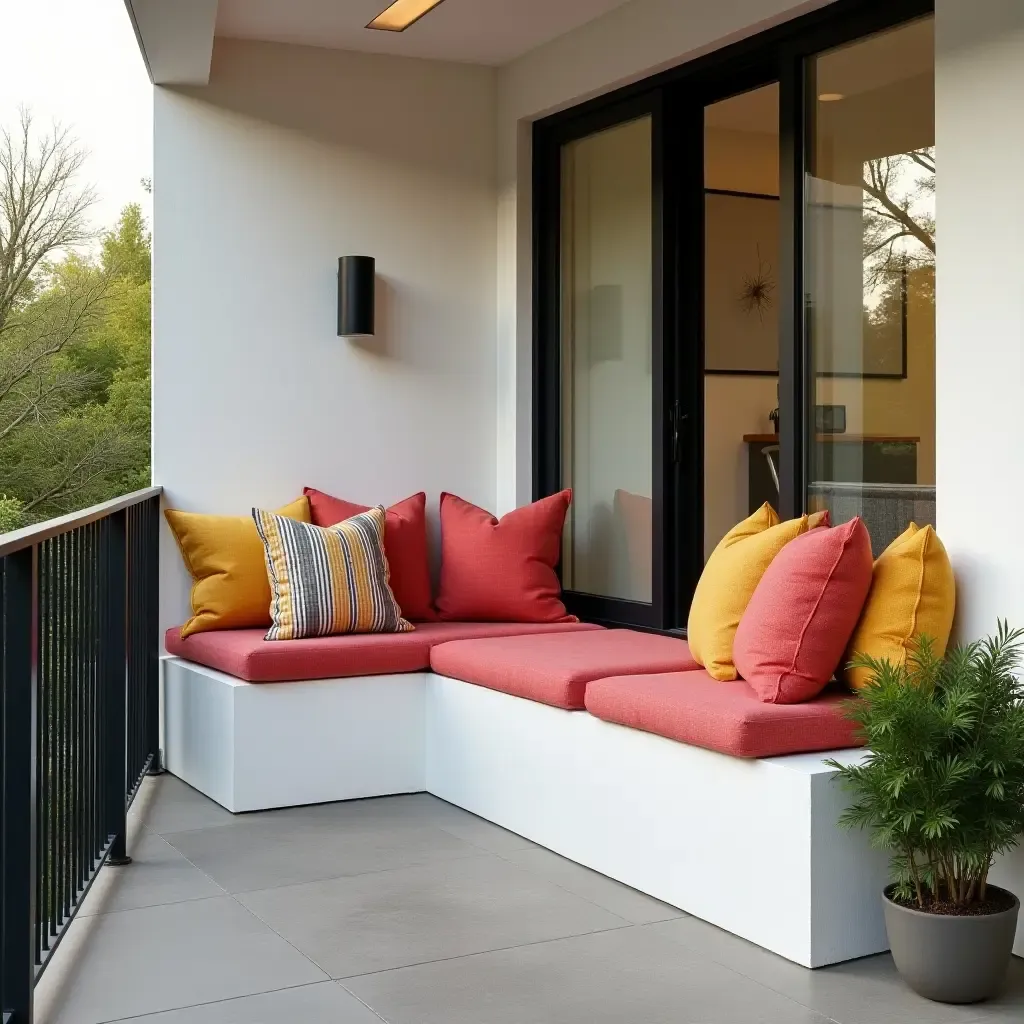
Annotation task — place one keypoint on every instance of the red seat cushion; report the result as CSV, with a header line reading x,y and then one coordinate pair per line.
x,y
556,668
405,545
694,708
245,654
502,570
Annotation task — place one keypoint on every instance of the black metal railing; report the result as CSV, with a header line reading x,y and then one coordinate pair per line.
x,y
79,718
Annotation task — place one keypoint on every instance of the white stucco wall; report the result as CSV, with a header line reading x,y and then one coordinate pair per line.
x,y
290,158
980,302
980,306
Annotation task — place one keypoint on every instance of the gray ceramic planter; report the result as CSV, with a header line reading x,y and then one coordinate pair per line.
x,y
951,959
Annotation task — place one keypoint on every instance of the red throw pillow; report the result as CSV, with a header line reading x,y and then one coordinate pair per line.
x,y
405,545
795,630
502,570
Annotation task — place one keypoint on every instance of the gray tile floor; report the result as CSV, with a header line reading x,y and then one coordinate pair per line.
x,y
411,911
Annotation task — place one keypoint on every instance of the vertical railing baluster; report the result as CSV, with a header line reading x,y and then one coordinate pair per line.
x,y
81,864
42,732
65,734
97,621
72,722
18,745
151,516
133,614
59,789
115,688
90,655
46,757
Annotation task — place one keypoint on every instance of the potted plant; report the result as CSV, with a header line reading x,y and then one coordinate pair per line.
x,y
942,787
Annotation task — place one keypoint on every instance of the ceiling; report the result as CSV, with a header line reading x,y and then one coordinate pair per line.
x,y
474,31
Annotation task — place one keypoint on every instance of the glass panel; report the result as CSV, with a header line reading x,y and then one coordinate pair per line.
x,y
741,308
870,280
607,301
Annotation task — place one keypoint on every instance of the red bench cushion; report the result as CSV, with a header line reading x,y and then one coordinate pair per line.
x,y
245,654
556,668
726,716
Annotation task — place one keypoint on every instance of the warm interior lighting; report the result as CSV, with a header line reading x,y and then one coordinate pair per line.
x,y
401,14
831,97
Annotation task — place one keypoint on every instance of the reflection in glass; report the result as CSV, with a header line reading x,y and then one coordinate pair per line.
x,y
870,280
741,307
607,289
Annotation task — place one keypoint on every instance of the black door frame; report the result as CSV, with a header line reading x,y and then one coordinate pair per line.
x,y
547,357
675,99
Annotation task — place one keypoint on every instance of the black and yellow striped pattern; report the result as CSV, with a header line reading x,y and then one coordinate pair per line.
x,y
328,581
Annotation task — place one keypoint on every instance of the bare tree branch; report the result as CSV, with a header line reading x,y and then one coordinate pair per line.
x,y
897,213
43,208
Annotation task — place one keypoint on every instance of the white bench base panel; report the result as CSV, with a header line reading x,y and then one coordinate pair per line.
x,y
253,746
749,845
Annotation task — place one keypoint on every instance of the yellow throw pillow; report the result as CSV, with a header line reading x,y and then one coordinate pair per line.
x,y
913,593
224,555
729,579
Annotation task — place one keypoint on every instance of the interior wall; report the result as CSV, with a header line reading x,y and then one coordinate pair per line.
x,y
292,157
734,405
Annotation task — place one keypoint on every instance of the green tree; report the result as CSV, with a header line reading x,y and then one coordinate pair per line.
x,y
74,336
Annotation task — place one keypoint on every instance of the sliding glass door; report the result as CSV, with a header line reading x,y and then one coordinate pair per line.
x,y
741,308
869,249
609,424
734,302
606,341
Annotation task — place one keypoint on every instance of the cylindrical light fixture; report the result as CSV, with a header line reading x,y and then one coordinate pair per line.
x,y
356,282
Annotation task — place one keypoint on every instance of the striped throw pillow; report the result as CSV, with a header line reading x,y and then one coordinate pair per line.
x,y
325,581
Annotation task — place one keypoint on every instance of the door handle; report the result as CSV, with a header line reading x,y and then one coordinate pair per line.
x,y
677,418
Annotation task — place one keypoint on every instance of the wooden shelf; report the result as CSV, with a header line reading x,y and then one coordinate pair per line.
x,y
858,438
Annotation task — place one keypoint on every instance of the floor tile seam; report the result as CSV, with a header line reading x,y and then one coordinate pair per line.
x,y
286,941
757,981
472,850
191,863
217,1002
483,952
474,855
153,906
241,818
587,899
363,1002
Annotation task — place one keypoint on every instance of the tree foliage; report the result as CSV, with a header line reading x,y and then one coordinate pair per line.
x,y
942,786
74,335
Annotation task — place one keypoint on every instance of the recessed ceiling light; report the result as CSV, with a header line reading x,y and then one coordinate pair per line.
x,y
831,97
401,14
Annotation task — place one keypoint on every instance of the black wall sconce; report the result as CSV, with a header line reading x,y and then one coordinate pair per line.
x,y
356,282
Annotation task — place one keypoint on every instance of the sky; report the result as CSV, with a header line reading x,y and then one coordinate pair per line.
x,y
77,61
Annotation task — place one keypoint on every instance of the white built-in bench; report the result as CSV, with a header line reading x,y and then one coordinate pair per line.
x,y
749,844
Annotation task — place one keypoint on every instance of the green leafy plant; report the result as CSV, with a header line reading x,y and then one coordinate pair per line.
x,y
942,784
